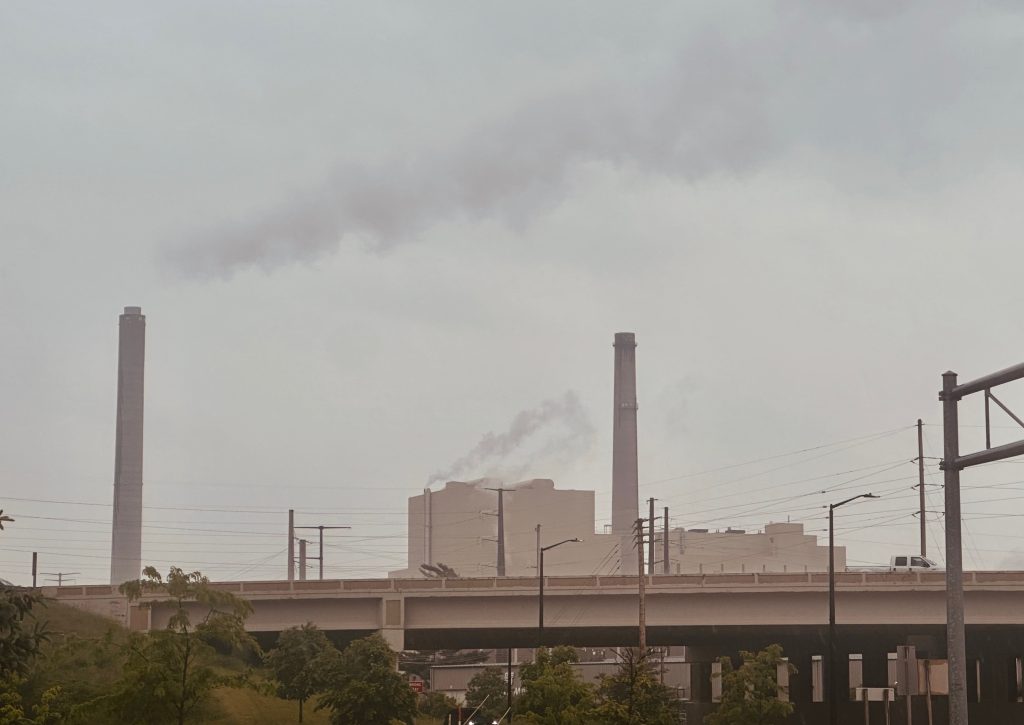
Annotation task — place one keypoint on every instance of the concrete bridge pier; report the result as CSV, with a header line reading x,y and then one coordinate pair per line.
x,y
392,617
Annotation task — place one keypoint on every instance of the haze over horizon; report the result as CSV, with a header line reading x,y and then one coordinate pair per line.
x,y
377,245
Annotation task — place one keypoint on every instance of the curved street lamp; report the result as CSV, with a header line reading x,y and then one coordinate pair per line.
x,y
540,596
833,700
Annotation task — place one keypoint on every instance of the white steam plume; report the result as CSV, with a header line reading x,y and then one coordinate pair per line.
x,y
558,429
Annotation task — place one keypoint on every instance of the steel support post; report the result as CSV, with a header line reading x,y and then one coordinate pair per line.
x,y
956,650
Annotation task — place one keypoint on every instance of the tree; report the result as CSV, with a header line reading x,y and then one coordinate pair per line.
x,y
634,695
440,570
76,669
750,694
488,688
167,673
293,662
362,686
553,692
436,704
20,640
12,711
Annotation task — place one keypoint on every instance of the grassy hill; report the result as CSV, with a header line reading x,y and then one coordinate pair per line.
x,y
83,657
247,707
63,620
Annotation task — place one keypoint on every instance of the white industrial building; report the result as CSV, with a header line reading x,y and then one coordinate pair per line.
x,y
458,526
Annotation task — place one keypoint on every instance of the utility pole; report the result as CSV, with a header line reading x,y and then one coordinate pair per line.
x,y
291,545
952,463
920,482
35,566
501,530
665,564
538,547
650,539
956,640
508,685
321,529
302,560
540,581
61,575
641,585
830,670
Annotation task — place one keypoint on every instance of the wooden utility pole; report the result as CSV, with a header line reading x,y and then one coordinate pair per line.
x,y
920,484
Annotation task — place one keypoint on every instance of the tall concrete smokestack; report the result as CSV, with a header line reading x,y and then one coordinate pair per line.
x,y
625,485
126,545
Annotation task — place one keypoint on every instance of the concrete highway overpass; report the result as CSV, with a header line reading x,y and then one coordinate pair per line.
x,y
712,614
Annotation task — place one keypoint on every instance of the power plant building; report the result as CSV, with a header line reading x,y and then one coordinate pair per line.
x,y
458,526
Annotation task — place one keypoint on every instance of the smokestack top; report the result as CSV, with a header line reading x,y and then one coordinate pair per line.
x,y
625,339
133,310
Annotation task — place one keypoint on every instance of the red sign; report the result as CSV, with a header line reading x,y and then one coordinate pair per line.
x,y
416,685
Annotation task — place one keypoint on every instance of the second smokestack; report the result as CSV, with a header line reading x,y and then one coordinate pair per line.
x,y
625,483
126,544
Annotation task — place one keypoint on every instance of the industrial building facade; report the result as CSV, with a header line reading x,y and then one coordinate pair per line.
x,y
458,526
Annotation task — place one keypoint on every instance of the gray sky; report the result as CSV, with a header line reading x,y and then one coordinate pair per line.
x,y
365,235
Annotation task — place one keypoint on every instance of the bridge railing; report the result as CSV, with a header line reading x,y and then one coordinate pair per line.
x,y
798,580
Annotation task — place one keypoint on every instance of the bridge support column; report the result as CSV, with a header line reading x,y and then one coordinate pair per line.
x,y
392,618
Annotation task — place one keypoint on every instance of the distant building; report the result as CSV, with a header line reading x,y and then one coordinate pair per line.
x,y
779,548
458,526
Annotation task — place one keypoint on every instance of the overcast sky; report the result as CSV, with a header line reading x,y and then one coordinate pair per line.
x,y
365,235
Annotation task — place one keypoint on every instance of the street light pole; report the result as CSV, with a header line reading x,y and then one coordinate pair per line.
x,y
540,589
833,696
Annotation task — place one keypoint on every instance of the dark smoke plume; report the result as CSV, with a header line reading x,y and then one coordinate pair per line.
x,y
558,428
704,116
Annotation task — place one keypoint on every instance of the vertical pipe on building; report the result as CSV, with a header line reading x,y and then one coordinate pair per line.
x,y
625,488
35,567
428,529
126,538
291,545
955,639
665,564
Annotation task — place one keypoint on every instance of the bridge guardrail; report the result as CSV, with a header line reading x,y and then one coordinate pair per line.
x,y
612,582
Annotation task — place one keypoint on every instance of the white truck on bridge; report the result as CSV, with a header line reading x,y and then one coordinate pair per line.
x,y
912,562
902,562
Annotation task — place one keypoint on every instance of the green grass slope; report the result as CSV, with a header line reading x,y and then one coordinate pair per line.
x,y
248,707
61,619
